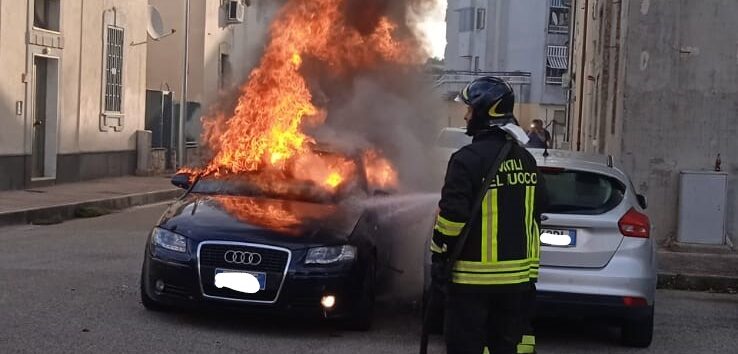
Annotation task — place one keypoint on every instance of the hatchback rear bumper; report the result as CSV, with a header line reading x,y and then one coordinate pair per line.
x,y
630,273
584,305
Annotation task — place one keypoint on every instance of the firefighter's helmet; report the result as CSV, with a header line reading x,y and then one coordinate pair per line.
x,y
492,101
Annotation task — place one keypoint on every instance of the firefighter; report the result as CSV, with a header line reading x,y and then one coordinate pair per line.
x,y
488,293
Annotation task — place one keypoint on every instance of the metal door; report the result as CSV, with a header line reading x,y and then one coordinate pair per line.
x,y
38,153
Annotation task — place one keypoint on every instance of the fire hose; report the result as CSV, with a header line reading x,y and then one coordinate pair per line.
x,y
437,294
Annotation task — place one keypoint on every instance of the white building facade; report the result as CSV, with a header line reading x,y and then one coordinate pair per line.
x,y
72,89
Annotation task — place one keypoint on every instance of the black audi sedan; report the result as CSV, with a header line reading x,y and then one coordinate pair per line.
x,y
293,252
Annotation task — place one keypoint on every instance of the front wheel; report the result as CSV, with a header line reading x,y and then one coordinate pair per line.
x,y
638,332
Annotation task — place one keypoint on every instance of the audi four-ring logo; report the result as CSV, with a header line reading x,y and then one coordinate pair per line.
x,y
242,257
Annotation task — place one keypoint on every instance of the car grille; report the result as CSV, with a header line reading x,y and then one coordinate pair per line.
x,y
274,263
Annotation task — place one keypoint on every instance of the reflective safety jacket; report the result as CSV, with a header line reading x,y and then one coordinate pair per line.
x,y
503,246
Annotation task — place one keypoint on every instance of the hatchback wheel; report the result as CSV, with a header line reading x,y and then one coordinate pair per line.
x,y
638,332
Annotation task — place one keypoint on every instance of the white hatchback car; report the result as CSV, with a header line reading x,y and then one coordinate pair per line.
x,y
597,256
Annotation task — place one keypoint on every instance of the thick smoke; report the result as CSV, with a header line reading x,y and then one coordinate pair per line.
x,y
393,107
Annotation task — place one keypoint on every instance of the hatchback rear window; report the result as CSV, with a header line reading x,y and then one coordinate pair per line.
x,y
579,192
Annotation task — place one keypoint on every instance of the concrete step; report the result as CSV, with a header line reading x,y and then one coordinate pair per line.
x,y
698,268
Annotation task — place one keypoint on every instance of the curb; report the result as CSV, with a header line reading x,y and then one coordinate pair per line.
x,y
67,211
698,282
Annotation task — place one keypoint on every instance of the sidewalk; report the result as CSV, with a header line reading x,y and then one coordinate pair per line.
x,y
66,201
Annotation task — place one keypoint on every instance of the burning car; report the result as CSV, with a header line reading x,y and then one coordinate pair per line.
x,y
267,222
312,252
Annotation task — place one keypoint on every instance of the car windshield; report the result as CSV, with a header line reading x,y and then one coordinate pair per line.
x,y
275,188
580,192
453,139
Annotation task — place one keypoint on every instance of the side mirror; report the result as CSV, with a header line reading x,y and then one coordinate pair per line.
x,y
181,180
642,201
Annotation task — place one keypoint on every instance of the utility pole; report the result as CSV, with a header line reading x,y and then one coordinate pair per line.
x,y
183,100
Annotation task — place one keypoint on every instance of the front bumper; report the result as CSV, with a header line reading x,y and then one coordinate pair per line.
x,y
300,294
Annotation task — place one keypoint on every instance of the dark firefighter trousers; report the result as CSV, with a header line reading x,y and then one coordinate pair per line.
x,y
475,320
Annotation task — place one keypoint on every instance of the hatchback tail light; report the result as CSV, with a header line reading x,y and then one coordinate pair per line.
x,y
635,224
631,301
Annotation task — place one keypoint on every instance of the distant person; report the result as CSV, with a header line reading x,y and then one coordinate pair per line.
x,y
539,137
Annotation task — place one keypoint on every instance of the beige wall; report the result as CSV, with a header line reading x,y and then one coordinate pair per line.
x,y
131,15
593,72
165,59
209,36
79,48
12,89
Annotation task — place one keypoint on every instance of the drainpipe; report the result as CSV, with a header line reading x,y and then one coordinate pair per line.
x,y
580,79
569,90
183,102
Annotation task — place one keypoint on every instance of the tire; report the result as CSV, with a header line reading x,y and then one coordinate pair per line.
x,y
638,332
362,315
149,303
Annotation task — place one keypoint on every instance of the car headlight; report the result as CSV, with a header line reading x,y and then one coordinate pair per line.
x,y
169,240
328,255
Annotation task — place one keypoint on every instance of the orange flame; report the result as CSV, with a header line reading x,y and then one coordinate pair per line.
x,y
273,214
379,171
265,131
266,213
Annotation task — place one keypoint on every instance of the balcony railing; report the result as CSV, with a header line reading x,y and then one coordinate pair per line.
x,y
558,29
560,4
452,82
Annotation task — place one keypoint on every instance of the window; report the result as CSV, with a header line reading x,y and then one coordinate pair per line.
x,y
114,70
466,19
225,71
233,9
481,19
558,21
580,192
557,63
476,63
46,14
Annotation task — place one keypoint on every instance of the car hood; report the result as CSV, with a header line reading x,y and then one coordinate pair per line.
x,y
260,220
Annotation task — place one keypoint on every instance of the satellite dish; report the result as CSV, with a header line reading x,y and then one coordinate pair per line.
x,y
155,26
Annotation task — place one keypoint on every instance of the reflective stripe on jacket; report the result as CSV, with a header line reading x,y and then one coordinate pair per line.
x,y
503,245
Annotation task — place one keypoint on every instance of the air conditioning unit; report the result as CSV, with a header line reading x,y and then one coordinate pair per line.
x,y
566,80
235,11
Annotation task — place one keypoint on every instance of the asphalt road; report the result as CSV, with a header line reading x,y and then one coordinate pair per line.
x,y
73,287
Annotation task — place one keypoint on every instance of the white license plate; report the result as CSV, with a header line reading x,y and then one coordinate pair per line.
x,y
559,237
260,276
